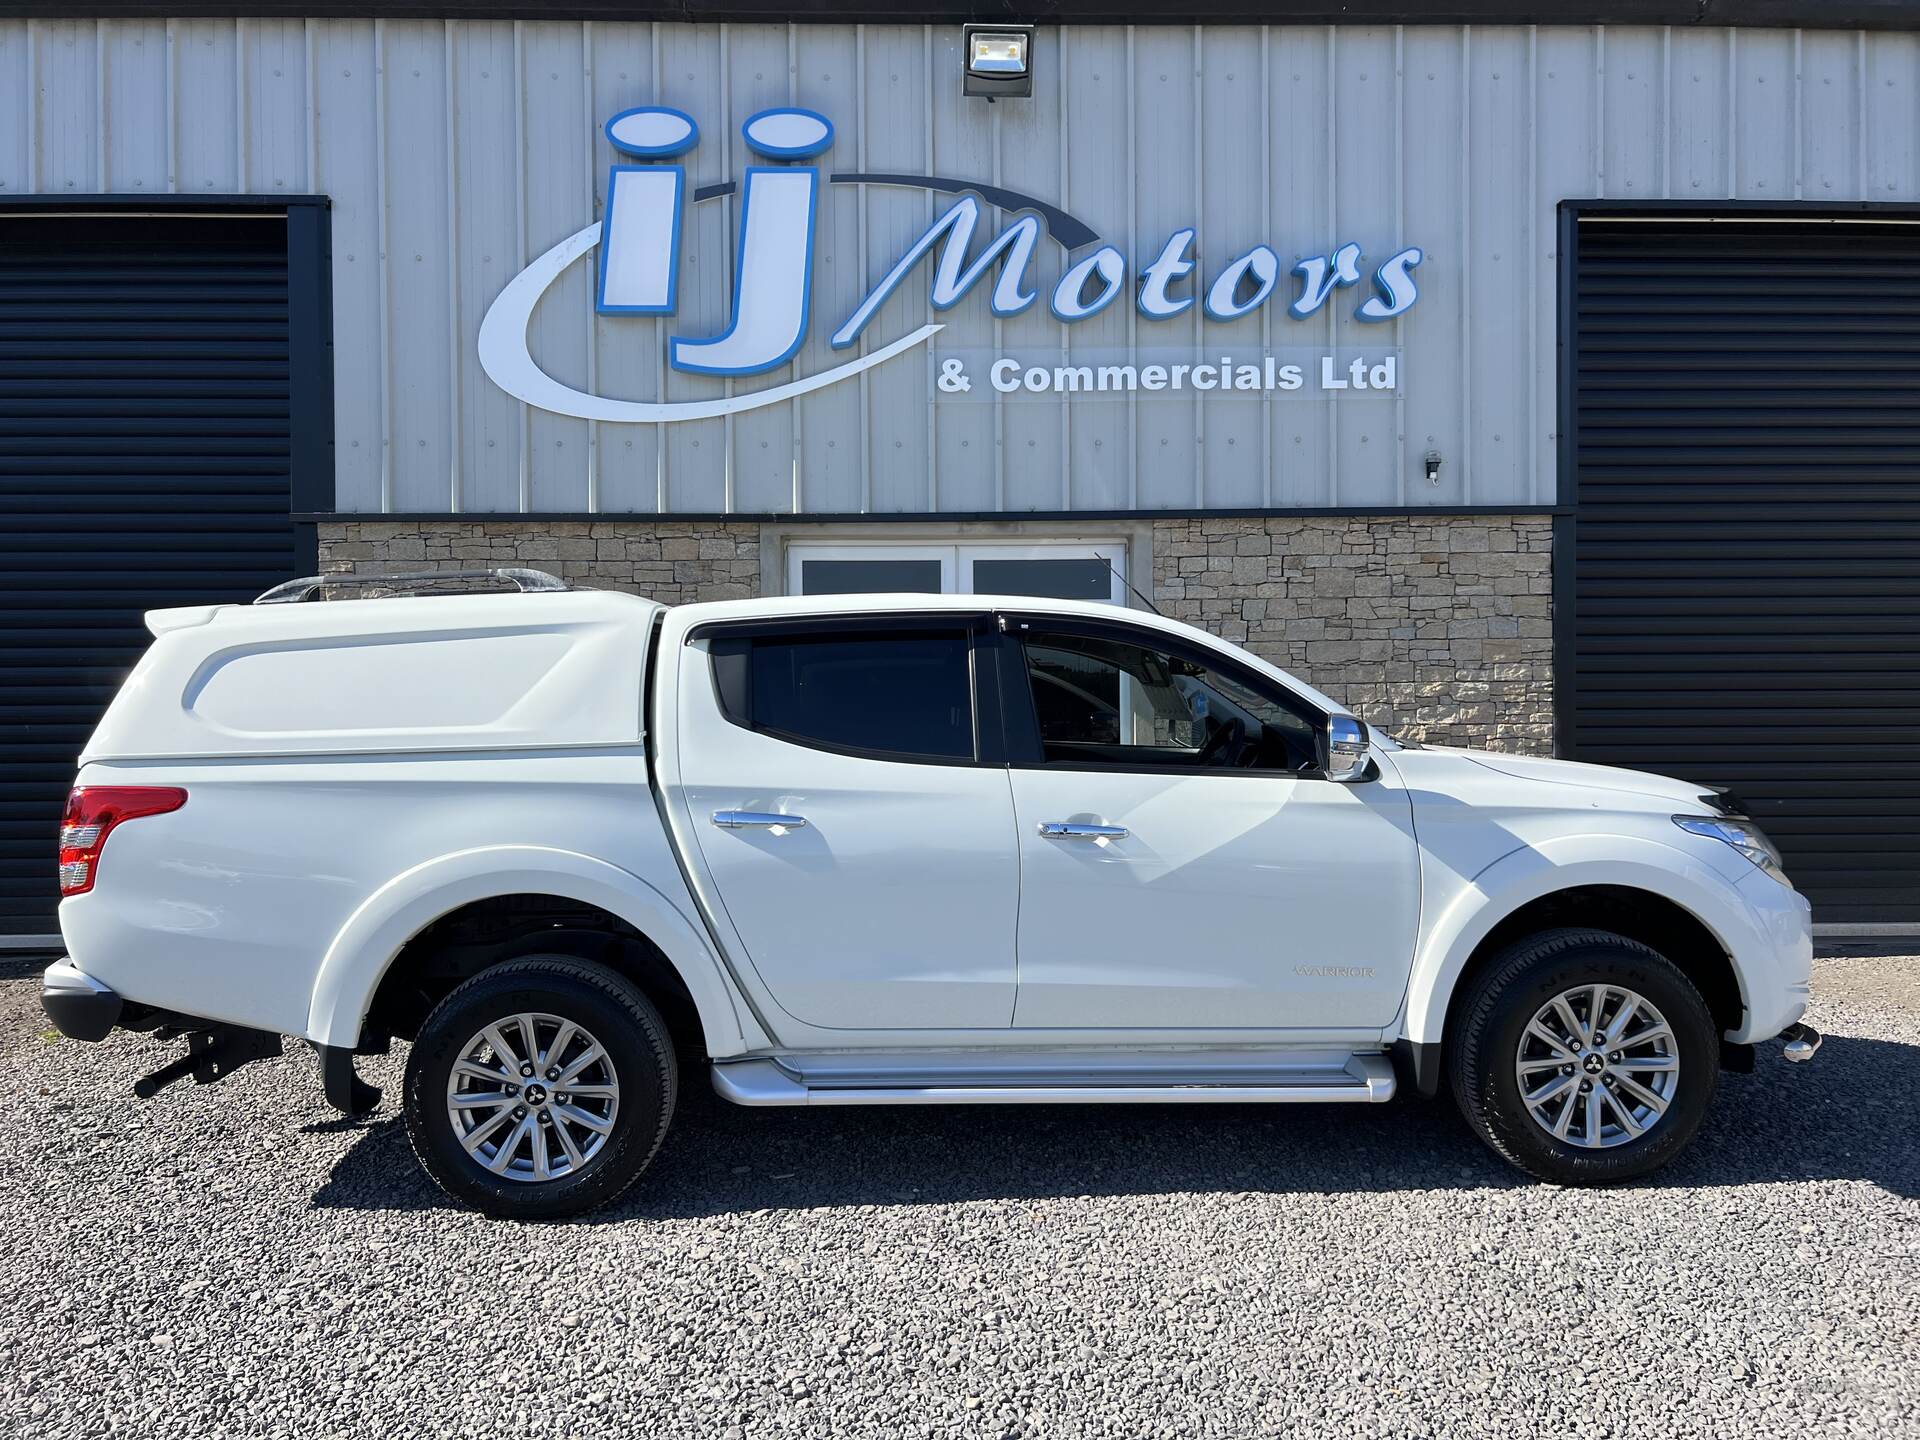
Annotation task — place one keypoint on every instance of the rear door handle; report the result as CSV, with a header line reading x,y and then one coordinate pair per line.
x,y
1068,830
757,819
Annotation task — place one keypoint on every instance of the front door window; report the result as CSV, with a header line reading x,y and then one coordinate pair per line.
x,y
1106,700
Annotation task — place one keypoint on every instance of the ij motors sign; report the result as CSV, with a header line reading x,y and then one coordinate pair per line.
x,y
638,245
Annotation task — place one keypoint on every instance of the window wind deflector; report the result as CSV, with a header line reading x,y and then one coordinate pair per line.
x,y
314,587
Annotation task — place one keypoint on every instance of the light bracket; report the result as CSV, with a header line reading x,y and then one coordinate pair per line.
x,y
996,61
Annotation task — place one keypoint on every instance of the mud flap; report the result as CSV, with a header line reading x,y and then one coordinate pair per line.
x,y
345,1091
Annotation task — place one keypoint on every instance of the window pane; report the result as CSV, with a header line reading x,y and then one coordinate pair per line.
x,y
904,693
869,577
1078,579
1098,699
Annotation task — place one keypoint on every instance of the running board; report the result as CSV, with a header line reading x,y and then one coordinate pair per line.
x,y
1065,1079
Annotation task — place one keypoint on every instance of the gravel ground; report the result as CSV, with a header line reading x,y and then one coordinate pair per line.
x,y
228,1261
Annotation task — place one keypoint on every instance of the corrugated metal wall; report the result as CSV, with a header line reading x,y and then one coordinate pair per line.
x,y
145,436
1744,592
456,151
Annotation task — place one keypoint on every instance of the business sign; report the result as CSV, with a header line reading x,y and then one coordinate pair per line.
x,y
639,264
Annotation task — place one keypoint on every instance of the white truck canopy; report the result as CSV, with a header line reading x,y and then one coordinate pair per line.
x,y
460,672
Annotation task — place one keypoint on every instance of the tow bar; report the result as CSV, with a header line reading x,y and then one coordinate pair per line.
x,y
213,1053
1801,1042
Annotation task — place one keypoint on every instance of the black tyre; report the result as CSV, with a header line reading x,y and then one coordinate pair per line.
x,y
1546,1075
540,1088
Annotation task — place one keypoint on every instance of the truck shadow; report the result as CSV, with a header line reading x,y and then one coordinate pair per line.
x,y
1846,1116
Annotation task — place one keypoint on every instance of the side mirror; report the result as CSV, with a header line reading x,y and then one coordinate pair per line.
x,y
1347,759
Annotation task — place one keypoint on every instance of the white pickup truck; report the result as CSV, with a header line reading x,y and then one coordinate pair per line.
x,y
867,850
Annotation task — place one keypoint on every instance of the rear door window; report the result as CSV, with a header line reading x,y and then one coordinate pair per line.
x,y
890,693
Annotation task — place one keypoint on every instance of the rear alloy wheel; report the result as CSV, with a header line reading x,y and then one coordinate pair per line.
x,y
1584,1057
533,1097
540,1088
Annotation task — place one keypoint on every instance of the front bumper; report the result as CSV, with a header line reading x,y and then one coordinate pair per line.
x,y
1774,958
79,1006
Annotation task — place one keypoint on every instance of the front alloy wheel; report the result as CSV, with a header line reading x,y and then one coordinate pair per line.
x,y
1583,1057
1597,1066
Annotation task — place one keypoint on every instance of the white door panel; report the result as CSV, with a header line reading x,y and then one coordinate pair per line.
x,y
1233,900
894,907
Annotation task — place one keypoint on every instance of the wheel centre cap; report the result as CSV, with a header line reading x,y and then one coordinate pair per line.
x,y
535,1094
1595,1063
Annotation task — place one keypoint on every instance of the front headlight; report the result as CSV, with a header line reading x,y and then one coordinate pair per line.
x,y
1742,835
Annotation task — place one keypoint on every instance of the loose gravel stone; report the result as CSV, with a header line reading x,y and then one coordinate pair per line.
x,y
236,1261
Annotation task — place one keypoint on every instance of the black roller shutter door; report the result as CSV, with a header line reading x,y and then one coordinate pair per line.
x,y
1744,598
144,462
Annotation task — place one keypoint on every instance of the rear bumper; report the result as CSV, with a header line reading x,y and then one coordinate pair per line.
x,y
79,1006
83,1008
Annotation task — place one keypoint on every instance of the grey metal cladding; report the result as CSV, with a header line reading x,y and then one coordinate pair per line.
x,y
454,151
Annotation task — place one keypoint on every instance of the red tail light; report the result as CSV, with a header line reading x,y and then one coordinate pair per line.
x,y
92,812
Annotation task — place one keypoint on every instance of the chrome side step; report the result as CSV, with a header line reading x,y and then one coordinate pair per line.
x,y
1064,1079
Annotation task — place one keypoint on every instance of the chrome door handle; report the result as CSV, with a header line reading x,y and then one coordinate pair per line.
x,y
1067,830
757,819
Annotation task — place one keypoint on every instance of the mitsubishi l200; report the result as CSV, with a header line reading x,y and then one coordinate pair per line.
x,y
881,849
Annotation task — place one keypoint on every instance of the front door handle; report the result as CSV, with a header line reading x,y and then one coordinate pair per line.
x,y
757,819
1068,830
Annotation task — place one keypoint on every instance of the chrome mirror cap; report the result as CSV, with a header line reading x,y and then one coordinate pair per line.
x,y
1348,760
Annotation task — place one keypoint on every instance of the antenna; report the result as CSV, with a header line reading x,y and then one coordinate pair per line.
x,y
1133,588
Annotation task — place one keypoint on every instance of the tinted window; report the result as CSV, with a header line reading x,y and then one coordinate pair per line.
x,y
868,577
1102,699
1056,579
895,692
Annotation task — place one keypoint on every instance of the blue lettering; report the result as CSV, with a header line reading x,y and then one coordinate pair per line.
x,y
1319,277
1170,265
1069,296
1260,265
950,280
1395,283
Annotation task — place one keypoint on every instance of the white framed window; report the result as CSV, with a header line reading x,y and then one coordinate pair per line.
x,y
1054,569
870,569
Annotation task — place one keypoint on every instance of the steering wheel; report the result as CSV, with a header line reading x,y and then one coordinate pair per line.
x,y
1224,745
